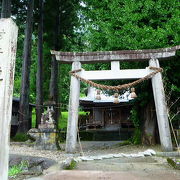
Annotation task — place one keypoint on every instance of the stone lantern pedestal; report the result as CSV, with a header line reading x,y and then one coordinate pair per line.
x,y
47,139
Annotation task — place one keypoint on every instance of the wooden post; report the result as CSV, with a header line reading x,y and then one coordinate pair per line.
x,y
8,41
115,66
71,137
161,108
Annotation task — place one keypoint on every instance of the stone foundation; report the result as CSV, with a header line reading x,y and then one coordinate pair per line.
x,y
45,138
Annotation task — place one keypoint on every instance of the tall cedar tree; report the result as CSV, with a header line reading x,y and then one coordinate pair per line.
x,y
25,124
54,64
39,75
6,9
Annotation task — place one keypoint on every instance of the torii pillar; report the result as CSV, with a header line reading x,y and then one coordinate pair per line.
x,y
161,108
72,127
8,42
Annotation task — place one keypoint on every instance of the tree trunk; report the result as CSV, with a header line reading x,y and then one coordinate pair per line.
x,y
39,75
150,124
24,96
6,9
55,69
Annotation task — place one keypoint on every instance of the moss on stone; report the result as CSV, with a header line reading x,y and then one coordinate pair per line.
x,y
70,164
173,163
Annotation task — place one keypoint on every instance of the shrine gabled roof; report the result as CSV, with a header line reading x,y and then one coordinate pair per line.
x,y
122,55
85,105
105,98
102,100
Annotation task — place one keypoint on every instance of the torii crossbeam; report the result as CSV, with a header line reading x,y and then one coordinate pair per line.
x,y
151,55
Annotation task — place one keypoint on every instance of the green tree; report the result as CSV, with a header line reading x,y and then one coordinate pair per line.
x,y
132,24
39,75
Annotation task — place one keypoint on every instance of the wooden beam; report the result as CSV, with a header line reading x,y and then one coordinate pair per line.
x,y
71,137
112,75
161,108
108,56
8,41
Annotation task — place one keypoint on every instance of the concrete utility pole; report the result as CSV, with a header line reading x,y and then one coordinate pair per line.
x,y
8,41
71,138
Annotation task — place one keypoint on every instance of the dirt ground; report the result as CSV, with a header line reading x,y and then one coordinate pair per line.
x,y
88,147
150,168
154,168
110,175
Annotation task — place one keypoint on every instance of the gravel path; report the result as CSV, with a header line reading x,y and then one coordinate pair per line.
x,y
142,170
89,148
22,149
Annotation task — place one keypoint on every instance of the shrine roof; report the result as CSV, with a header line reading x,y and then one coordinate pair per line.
x,y
105,98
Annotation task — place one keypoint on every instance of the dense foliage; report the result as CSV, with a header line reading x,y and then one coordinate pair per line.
x,y
132,24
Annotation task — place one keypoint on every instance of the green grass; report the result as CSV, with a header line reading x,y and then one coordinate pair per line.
x,y
62,124
71,166
34,118
64,118
124,143
17,169
20,137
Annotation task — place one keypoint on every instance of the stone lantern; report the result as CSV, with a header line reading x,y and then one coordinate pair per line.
x,y
46,135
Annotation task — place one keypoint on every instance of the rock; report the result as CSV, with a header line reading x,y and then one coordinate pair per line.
x,y
69,164
32,161
97,158
35,162
33,134
36,169
77,159
134,155
117,155
85,158
108,156
14,160
140,154
147,153
127,155
151,151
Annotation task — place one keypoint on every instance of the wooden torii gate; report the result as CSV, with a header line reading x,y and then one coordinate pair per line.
x,y
114,57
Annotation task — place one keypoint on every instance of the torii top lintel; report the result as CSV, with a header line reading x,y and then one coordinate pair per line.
x,y
107,56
